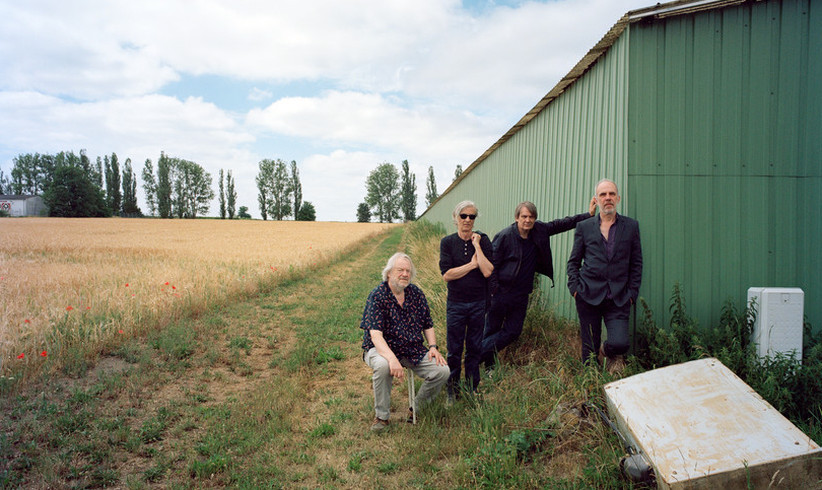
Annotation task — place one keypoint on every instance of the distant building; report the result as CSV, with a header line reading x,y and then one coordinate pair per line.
x,y
21,205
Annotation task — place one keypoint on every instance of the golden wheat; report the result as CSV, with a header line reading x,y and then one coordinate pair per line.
x,y
82,281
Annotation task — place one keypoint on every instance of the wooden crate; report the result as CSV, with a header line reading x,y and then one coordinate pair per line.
x,y
700,426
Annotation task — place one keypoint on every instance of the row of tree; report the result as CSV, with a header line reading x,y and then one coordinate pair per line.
x,y
72,186
280,193
392,194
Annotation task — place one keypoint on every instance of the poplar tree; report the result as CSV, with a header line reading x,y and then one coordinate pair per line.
x,y
114,197
222,194
150,187
164,186
263,180
296,189
457,172
408,193
231,195
431,188
130,207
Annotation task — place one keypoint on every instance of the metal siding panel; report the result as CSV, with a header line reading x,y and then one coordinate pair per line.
x,y
642,137
809,268
698,90
737,88
729,93
788,122
812,143
760,96
726,244
701,109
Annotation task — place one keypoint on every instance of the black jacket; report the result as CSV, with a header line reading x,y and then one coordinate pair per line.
x,y
508,252
592,274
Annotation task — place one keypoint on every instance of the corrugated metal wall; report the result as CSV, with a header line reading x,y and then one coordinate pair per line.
x,y
711,123
725,124
554,161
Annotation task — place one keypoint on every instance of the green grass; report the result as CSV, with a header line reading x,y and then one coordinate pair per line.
x,y
271,392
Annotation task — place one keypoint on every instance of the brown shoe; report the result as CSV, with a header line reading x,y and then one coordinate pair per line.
x,y
378,425
615,365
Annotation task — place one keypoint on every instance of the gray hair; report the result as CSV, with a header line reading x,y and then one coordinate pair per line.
x,y
527,205
392,262
462,205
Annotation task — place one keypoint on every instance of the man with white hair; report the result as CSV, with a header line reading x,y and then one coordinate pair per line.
x,y
395,319
465,264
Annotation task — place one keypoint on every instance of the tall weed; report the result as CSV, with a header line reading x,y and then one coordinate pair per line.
x,y
792,387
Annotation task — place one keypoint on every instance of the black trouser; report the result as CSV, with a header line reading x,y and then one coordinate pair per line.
x,y
591,318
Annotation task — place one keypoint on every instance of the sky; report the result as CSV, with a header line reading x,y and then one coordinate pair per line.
x,y
340,87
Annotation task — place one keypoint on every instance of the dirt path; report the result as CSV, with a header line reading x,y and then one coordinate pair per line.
x,y
296,346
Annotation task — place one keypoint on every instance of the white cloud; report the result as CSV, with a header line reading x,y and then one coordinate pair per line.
x,y
357,120
379,80
259,95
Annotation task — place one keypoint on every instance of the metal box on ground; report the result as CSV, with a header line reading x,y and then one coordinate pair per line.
x,y
779,319
700,426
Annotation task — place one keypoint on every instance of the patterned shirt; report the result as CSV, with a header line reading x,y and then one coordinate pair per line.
x,y
401,326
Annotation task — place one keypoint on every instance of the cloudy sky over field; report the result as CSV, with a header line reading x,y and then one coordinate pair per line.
x,y
340,86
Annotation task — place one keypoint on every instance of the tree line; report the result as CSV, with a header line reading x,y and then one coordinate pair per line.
x,y
392,194
280,193
72,186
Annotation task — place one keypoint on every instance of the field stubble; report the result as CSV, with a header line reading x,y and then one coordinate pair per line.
x,y
70,284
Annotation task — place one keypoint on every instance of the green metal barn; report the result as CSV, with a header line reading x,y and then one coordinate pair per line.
x,y
708,115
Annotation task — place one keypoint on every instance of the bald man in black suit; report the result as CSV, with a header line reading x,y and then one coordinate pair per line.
x,y
604,275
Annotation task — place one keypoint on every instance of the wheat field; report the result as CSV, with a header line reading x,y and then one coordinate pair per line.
x,y
70,282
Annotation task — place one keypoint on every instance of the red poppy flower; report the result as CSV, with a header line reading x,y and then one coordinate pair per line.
x,y
173,287
22,355
69,308
26,321
119,331
166,283
126,284
43,354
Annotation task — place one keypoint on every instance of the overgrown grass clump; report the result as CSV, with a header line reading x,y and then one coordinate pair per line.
x,y
792,385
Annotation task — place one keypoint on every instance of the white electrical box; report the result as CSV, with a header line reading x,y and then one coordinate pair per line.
x,y
779,321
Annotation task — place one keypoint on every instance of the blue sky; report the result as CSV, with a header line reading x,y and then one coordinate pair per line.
x,y
339,87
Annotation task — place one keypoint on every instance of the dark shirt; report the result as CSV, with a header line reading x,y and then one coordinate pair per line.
x,y
401,326
609,244
456,252
523,282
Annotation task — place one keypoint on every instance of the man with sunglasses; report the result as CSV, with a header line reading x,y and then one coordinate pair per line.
x,y
465,264
520,251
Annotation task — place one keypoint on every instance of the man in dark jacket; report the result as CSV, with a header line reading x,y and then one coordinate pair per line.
x,y
520,251
604,274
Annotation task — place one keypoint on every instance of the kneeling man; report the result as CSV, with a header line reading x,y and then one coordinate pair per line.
x,y
395,319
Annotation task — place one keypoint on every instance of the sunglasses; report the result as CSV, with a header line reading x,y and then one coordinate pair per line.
x,y
468,216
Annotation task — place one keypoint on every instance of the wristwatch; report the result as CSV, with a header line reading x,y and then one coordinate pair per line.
x,y
434,346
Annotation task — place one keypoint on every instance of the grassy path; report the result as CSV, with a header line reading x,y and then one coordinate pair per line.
x,y
272,393
265,393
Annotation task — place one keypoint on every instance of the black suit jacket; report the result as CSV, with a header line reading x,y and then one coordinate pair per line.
x,y
591,274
